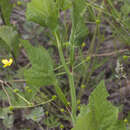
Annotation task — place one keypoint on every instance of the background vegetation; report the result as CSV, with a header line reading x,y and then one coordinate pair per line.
x,y
64,64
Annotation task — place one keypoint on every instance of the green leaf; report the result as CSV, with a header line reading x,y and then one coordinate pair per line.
x,y
36,114
39,76
6,9
7,117
118,125
128,117
79,29
100,114
125,9
51,121
64,4
125,19
41,73
4,112
10,38
43,12
8,121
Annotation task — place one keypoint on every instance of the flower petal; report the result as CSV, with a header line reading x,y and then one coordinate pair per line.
x,y
4,61
10,61
5,65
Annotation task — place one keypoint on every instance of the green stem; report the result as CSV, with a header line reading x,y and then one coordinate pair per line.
x,y
23,98
60,93
71,40
61,54
71,80
90,51
59,67
2,17
73,97
20,96
31,106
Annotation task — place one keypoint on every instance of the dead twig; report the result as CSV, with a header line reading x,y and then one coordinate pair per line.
x,y
110,53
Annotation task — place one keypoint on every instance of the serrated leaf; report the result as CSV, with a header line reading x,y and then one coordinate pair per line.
x,y
39,76
100,114
6,9
10,38
79,29
41,73
36,114
43,12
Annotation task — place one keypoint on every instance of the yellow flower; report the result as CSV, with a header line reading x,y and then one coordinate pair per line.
x,y
7,62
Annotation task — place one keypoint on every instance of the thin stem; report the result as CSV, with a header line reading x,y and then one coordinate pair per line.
x,y
95,55
71,39
61,73
23,98
6,94
73,97
31,106
19,95
2,17
61,54
93,41
60,93
71,80
59,67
